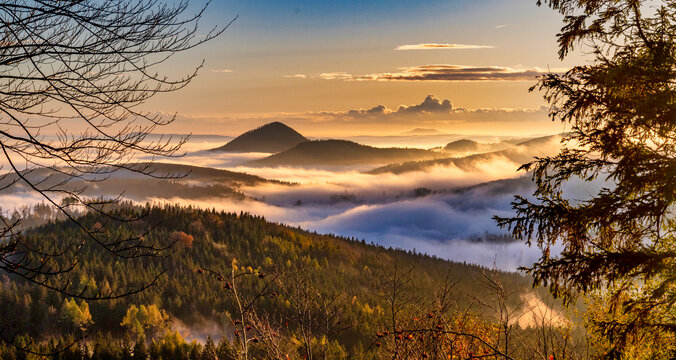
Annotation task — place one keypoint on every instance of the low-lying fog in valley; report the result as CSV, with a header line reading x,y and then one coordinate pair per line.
x,y
441,205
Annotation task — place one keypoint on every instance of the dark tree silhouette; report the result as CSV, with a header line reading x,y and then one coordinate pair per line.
x,y
621,109
72,75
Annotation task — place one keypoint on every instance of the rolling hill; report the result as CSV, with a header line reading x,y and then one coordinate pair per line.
x,y
463,145
269,138
167,181
342,152
520,153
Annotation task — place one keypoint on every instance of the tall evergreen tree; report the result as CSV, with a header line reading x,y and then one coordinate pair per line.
x,y
621,112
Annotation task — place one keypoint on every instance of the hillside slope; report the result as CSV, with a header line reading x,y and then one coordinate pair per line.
x,y
336,267
342,152
463,145
166,181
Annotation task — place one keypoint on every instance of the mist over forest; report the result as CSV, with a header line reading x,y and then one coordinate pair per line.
x,y
443,206
337,180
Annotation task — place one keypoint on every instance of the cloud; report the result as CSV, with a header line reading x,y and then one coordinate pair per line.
x,y
435,46
435,225
221,70
374,111
336,76
432,219
443,72
431,105
440,114
501,26
16,200
296,76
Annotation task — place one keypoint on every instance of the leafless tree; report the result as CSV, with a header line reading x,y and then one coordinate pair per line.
x,y
312,314
431,327
316,314
246,287
505,317
553,334
72,76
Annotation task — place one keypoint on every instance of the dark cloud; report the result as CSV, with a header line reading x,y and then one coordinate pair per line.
x,y
431,105
444,72
456,73
376,110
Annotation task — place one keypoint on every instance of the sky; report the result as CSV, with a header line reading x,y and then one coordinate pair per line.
x,y
296,61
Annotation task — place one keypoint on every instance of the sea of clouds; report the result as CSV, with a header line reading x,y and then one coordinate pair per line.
x,y
450,221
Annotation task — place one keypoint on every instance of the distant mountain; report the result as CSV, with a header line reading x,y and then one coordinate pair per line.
x,y
167,181
466,147
519,153
423,131
270,138
463,145
343,152
193,137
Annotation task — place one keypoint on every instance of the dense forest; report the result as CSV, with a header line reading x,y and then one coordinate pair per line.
x,y
324,295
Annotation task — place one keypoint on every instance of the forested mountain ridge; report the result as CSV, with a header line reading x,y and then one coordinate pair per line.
x,y
520,153
462,145
341,153
168,180
344,269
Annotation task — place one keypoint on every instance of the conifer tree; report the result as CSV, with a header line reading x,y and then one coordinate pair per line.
x,y
620,110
